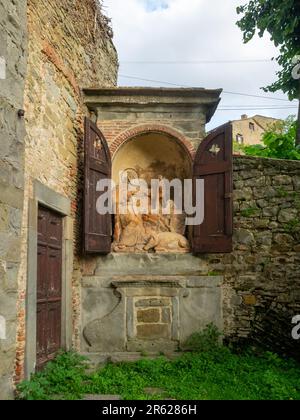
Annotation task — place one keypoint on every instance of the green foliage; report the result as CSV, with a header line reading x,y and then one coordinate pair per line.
x,y
238,148
203,341
281,19
292,226
279,142
251,211
215,374
61,379
213,274
282,193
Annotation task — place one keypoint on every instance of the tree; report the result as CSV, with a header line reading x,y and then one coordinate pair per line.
x,y
278,142
281,19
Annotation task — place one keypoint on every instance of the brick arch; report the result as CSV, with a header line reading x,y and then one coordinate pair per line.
x,y
153,128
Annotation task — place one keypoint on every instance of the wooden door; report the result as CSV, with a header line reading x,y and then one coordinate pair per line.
x,y
213,164
49,285
98,166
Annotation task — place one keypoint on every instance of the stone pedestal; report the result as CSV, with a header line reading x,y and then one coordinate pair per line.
x,y
144,302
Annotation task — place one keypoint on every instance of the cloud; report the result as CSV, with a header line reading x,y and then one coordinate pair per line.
x,y
193,30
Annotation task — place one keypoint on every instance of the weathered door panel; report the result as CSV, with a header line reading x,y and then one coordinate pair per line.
x,y
213,164
49,285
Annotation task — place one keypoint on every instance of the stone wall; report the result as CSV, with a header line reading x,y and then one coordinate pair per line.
x,y
252,293
70,46
12,75
262,276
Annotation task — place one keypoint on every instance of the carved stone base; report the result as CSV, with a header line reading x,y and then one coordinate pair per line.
x,y
132,308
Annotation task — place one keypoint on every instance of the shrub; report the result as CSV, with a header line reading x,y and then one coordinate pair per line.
x,y
204,341
61,378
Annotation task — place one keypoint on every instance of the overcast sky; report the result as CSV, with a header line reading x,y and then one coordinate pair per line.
x,y
195,30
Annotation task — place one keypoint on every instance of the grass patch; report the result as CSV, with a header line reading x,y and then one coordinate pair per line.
x,y
216,374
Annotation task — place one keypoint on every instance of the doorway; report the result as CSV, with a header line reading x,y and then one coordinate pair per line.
x,y
49,285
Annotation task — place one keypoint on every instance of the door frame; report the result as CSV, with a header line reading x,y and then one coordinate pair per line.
x,y
46,197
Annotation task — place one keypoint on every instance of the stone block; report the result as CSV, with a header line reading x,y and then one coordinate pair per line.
x,y
287,215
264,238
296,182
103,315
152,264
4,218
152,291
260,181
9,247
152,303
204,281
8,305
262,203
7,362
127,357
282,180
148,316
153,346
6,388
270,211
244,237
249,300
264,192
244,194
284,241
261,223
153,331
236,300
12,276
199,308
166,315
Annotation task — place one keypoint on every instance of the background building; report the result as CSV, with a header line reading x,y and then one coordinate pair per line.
x,y
250,130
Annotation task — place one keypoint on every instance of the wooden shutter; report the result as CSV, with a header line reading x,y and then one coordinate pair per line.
x,y
97,228
213,164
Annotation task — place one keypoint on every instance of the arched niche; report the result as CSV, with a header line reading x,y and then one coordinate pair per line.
x,y
153,155
150,157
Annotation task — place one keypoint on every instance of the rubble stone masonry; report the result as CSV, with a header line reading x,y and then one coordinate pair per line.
x,y
70,46
262,275
12,132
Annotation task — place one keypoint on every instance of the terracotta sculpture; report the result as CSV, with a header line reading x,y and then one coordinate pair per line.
x,y
137,232
167,242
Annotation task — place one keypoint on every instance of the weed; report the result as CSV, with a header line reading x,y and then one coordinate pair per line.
x,y
206,340
218,373
251,211
292,226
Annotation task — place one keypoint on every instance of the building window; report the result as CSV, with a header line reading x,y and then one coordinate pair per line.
x,y
252,126
240,138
